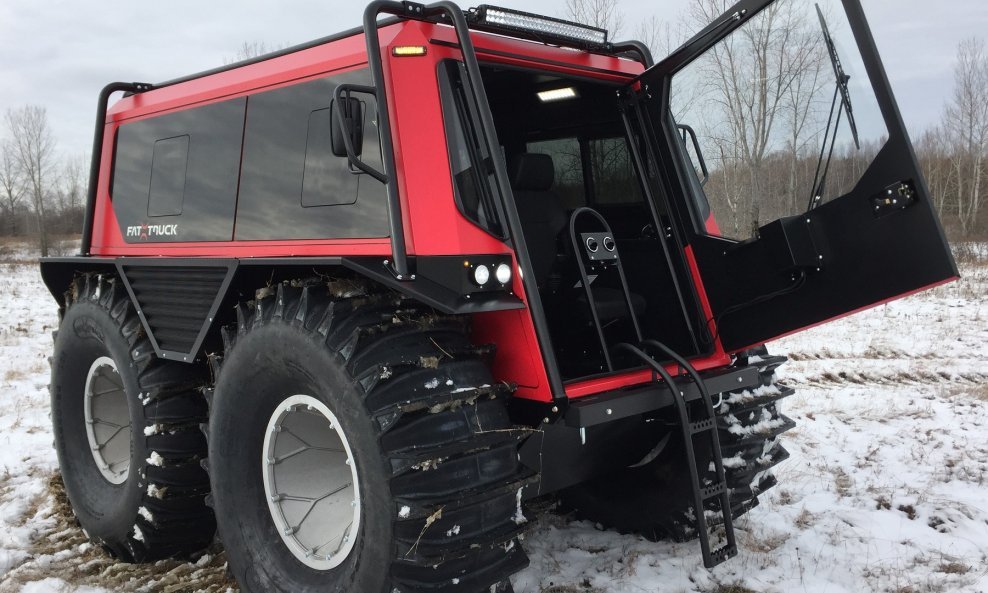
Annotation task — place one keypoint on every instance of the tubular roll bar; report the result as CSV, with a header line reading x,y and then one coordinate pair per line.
x,y
96,157
448,13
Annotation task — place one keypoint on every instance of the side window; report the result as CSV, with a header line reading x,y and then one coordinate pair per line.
x,y
175,175
168,168
474,186
568,163
291,184
614,177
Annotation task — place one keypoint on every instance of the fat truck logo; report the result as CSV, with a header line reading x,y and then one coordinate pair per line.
x,y
146,231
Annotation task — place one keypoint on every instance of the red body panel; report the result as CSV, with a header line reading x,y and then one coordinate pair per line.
x,y
433,225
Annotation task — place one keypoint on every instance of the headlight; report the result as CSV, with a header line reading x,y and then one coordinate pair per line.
x,y
503,273
481,275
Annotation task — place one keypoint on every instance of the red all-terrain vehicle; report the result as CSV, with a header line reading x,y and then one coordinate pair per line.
x,y
352,304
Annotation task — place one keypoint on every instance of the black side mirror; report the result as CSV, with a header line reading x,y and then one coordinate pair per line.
x,y
352,117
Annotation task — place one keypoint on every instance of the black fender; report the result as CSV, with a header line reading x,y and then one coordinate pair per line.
x,y
182,300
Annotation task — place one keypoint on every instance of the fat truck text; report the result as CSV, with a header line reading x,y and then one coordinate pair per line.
x,y
146,231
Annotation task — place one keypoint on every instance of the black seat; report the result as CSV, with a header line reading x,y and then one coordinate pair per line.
x,y
543,217
545,221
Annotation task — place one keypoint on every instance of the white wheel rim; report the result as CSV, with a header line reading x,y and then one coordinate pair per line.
x,y
310,481
107,416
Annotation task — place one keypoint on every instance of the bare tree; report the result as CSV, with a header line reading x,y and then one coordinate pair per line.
x,y
933,151
73,181
966,119
605,14
65,212
11,185
34,152
661,36
761,89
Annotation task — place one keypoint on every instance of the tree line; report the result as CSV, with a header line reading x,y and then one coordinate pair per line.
x,y
42,195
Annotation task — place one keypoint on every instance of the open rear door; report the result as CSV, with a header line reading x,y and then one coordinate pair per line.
x,y
810,204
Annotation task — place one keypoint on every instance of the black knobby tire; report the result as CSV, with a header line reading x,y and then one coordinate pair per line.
x,y
655,498
159,510
436,455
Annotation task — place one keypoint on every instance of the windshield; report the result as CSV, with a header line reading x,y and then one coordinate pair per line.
x,y
784,115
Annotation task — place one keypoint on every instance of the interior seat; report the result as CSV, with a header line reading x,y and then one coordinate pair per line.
x,y
543,217
545,222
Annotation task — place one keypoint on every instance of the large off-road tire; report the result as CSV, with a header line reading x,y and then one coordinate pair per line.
x,y
126,430
655,498
371,401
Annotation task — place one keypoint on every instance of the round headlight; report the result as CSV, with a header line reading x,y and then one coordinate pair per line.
x,y
481,275
503,273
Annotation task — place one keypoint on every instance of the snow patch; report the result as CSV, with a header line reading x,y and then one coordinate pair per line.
x,y
153,430
156,459
155,491
519,517
404,512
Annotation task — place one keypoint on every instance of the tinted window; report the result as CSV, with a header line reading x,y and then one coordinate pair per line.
x,y
200,208
291,185
168,167
614,177
568,163
474,185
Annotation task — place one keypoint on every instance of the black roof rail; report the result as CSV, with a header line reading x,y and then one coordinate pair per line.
x,y
635,49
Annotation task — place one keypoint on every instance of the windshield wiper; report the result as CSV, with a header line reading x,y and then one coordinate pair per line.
x,y
842,92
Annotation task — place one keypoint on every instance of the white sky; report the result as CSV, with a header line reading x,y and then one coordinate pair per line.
x,y
59,53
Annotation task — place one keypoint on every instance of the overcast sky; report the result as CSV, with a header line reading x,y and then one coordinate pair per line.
x,y
59,53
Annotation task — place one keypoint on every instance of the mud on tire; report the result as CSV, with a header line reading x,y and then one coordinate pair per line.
x,y
653,499
149,504
436,455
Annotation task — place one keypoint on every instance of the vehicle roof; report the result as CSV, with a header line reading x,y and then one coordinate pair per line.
x,y
347,50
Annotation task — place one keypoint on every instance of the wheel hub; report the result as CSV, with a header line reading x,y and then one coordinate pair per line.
x,y
310,481
108,420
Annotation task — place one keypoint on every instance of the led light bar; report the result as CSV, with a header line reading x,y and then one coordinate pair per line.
x,y
537,25
557,94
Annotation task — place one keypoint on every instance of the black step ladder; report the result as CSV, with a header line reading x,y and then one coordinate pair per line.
x,y
597,253
705,425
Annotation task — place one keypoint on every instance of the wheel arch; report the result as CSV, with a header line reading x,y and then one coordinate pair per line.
x,y
209,288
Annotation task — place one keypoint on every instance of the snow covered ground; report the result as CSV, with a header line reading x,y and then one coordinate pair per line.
x,y
886,489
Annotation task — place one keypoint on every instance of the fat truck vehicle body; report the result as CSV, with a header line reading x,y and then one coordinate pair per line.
x,y
352,305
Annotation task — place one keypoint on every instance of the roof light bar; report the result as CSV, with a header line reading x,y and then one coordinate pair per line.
x,y
537,25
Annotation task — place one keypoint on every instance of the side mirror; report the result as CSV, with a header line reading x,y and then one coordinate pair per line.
x,y
347,124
